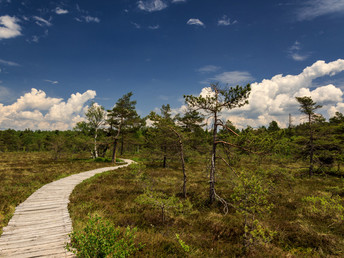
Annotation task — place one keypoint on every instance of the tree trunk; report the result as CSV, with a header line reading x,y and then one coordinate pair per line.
x,y
181,150
164,162
311,153
95,145
114,151
163,215
122,143
213,160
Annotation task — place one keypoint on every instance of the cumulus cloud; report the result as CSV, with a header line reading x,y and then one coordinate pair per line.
x,y
35,110
151,5
9,27
196,22
315,8
274,99
60,11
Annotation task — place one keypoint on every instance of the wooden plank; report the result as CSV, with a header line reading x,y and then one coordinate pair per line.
x,y
41,224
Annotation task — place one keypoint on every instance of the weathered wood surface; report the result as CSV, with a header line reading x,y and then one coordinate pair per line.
x,y
41,224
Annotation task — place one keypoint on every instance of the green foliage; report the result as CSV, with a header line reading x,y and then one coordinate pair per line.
x,y
250,196
99,238
137,170
185,247
326,207
258,233
308,106
273,126
222,98
161,201
101,159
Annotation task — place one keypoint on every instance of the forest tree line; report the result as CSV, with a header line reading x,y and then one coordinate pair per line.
x,y
105,133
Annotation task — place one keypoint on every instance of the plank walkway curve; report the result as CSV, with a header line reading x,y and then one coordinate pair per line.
x,y
41,224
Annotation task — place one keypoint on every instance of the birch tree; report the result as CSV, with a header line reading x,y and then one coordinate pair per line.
x,y
95,116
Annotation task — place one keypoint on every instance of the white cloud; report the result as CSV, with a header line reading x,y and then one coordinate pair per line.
x,y
294,52
136,25
315,8
194,21
52,82
63,111
274,99
208,69
35,110
154,27
233,77
225,21
9,27
89,19
9,63
5,93
60,11
42,22
298,57
178,1
151,5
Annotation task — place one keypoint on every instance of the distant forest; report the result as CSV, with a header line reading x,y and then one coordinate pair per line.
x,y
107,133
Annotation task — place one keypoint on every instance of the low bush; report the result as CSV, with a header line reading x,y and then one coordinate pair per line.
x,y
99,238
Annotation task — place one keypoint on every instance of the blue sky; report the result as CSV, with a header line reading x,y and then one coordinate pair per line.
x,y
57,56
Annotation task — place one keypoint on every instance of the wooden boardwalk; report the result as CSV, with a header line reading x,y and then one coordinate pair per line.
x,y
41,224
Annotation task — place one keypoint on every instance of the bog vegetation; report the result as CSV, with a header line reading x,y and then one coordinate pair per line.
x,y
195,190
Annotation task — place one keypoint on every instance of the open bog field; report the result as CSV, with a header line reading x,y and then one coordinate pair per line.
x,y
149,197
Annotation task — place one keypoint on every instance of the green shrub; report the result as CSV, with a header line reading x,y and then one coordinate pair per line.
x,y
99,238
185,247
101,159
250,197
325,207
160,201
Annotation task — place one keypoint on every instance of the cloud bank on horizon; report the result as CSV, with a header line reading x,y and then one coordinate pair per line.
x,y
270,99
36,111
274,99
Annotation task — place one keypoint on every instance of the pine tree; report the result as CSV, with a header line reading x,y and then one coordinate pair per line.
x,y
213,103
307,107
122,116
